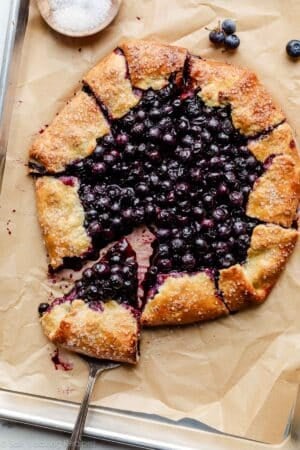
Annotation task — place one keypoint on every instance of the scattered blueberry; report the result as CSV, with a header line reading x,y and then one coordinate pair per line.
x,y
228,26
224,35
293,48
217,37
232,41
43,307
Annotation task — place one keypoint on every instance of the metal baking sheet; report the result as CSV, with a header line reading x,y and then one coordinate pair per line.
x,y
140,430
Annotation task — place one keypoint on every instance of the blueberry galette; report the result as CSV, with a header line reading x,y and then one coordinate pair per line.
x,y
198,152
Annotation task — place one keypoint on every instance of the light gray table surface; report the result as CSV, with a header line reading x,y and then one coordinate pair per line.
x,y
22,437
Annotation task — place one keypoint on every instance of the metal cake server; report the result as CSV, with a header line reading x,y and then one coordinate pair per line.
x,y
96,366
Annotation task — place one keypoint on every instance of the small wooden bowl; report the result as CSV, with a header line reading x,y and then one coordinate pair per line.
x,y
47,15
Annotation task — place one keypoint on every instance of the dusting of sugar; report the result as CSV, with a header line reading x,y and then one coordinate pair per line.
x,y
79,15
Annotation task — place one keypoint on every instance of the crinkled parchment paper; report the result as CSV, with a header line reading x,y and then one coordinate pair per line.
x,y
239,374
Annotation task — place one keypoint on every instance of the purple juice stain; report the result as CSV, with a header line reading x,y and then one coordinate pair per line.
x,y
59,363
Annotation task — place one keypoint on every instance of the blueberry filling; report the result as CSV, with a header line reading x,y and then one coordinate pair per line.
x,y
113,277
180,167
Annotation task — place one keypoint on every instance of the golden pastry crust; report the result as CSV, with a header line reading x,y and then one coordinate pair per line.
x,y
151,63
71,135
110,84
253,110
279,141
182,300
250,283
111,333
61,217
275,195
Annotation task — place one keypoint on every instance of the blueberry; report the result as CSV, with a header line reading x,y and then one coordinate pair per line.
x,y
102,269
224,231
230,177
208,200
163,234
110,158
104,218
169,139
91,214
227,260
244,241
251,162
116,223
213,124
129,151
43,307
99,152
89,198
208,259
155,114
163,250
149,211
236,198
141,115
219,214
239,227
185,155
198,212
138,129
103,203
187,140
122,139
87,273
115,207
183,125
94,228
116,281
201,245
127,214
216,37
142,189
129,120
108,140
196,174
187,232
152,272
221,248
166,185
92,291
165,123
164,217
252,178
138,215
116,269
176,103
188,261
182,189
293,48
165,264
167,110
207,224
232,41
154,134
177,245
228,26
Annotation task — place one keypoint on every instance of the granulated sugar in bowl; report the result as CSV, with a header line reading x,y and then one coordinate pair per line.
x,y
79,15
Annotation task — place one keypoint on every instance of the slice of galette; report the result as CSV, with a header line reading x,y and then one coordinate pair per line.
x,y
100,315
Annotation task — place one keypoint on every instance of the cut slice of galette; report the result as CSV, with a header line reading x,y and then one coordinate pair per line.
x,y
194,149
100,315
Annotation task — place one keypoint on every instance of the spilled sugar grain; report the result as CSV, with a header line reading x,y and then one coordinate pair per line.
x,y
79,15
